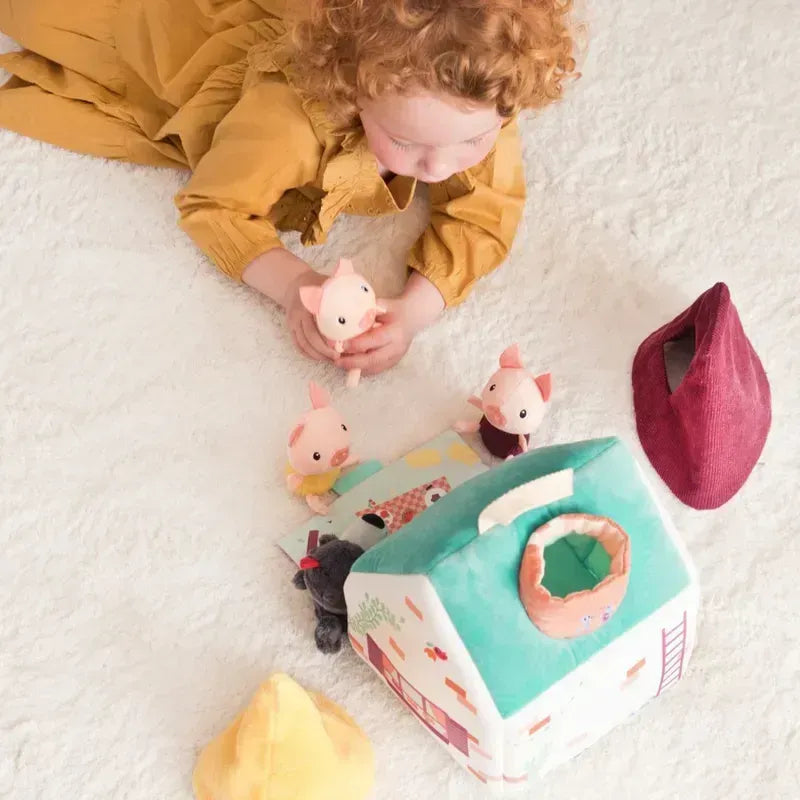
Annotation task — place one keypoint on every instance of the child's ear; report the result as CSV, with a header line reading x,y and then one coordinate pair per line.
x,y
311,298
545,384
344,267
510,358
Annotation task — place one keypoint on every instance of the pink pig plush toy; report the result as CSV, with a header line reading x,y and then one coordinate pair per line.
x,y
513,402
344,307
319,448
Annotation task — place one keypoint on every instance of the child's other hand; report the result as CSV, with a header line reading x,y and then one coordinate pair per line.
x,y
302,324
383,346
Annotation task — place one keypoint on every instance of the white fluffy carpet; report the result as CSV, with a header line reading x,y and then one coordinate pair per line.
x,y
145,402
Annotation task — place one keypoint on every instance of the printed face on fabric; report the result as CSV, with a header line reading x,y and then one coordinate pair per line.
x,y
400,510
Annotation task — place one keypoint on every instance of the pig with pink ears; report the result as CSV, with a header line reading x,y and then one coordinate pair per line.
x,y
513,402
318,450
344,307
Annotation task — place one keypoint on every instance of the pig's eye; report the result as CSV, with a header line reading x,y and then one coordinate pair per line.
x,y
344,427
364,288
523,414
492,387
342,320
316,456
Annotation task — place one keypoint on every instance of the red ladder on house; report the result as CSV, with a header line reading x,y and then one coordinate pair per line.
x,y
673,650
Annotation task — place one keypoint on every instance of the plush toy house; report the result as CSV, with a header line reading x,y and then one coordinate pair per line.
x,y
530,610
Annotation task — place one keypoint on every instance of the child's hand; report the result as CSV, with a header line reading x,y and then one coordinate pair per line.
x,y
279,274
302,324
383,346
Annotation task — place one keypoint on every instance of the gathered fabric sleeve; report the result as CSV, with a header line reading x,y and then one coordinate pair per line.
x,y
474,217
264,146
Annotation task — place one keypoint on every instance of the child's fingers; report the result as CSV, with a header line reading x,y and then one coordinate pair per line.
x,y
371,340
383,360
314,339
304,347
307,351
370,363
362,361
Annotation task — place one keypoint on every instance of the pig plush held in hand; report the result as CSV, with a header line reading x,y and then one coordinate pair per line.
x,y
318,450
344,307
513,403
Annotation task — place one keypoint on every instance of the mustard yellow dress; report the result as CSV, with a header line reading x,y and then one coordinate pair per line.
x,y
207,85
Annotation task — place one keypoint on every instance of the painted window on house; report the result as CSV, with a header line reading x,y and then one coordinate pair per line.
x,y
413,696
391,673
436,718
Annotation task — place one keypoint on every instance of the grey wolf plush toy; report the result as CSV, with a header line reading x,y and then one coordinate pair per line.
x,y
323,572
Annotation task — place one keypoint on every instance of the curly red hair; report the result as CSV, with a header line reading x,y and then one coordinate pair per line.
x,y
512,54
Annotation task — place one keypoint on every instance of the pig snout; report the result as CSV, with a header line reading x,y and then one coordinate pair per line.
x,y
368,320
495,416
340,456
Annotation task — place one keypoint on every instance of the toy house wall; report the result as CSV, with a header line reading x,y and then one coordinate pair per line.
x,y
398,625
603,692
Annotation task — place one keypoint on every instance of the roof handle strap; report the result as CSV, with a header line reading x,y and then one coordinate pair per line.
x,y
534,494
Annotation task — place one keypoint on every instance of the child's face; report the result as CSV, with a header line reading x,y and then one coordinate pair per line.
x,y
428,137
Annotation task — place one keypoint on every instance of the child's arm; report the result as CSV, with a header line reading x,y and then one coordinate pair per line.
x,y
275,273
474,217
264,146
279,274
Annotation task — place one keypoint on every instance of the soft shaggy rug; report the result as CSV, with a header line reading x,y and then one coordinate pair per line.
x,y
145,402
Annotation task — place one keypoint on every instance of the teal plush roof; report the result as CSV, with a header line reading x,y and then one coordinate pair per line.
x,y
476,577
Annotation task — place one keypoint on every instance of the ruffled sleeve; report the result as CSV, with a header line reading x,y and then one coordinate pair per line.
x,y
264,146
474,217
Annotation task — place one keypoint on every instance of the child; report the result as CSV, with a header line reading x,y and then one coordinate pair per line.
x,y
287,120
